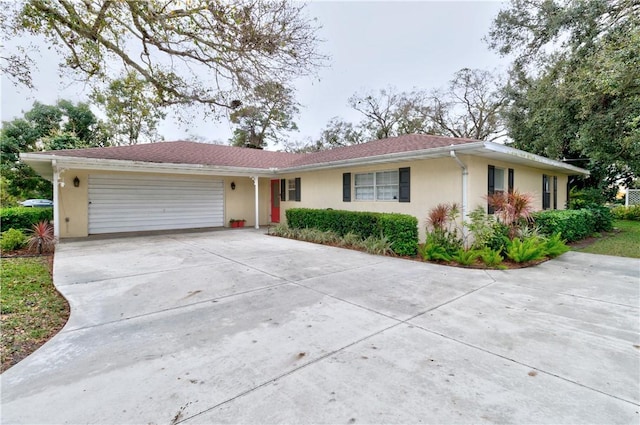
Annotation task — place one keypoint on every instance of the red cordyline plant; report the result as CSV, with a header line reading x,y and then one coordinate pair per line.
x,y
441,215
41,239
512,208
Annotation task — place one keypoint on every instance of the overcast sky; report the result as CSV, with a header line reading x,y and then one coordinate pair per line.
x,y
372,45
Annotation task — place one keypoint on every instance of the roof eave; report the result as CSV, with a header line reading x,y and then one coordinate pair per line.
x,y
439,152
79,163
533,158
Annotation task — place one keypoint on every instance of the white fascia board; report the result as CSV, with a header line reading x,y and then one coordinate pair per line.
x,y
99,164
440,152
506,150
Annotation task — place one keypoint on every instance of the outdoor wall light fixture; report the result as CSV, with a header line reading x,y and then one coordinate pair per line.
x,y
233,185
76,182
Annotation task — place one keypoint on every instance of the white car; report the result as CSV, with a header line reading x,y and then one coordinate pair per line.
x,y
41,203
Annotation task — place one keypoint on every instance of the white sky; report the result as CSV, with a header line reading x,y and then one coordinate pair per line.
x,y
372,45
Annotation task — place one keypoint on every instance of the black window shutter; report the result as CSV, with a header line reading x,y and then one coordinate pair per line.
x,y
491,185
510,184
404,188
283,190
297,189
555,192
346,187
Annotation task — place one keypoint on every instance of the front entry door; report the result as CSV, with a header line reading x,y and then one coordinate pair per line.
x,y
275,201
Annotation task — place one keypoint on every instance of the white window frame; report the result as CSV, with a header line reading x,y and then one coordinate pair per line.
x,y
374,186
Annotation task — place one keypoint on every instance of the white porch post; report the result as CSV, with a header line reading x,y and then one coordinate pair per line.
x,y
255,185
56,203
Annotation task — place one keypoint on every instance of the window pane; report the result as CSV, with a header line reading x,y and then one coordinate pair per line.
x,y
364,193
364,179
386,193
292,189
499,180
386,178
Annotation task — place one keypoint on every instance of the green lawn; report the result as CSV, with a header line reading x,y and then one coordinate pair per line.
x,y
624,243
31,310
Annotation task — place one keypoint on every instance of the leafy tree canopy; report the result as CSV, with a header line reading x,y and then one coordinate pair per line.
x,y
575,91
267,114
44,127
131,110
189,52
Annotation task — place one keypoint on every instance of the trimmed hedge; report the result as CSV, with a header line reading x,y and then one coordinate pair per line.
x,y
22,218
574,224
400,229
631,212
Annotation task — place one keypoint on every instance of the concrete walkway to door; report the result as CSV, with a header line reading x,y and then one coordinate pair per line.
x,y
241,327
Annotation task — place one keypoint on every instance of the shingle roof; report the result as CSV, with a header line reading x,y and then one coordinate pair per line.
x,y
182,152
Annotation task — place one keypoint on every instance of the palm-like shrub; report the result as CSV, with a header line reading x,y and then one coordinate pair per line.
x,y
528,249
41,239
512,209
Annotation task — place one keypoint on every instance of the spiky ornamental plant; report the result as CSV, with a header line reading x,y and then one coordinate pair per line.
x,y
512,209
42,238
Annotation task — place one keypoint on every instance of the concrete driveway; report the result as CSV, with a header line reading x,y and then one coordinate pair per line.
x,y
240,327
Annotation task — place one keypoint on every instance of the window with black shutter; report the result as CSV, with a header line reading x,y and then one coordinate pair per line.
x,y
298,190
283,190
404,184
346,187
555,192
510,184
491,186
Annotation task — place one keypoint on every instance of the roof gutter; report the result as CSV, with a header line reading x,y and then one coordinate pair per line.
x,y
80,163
498,148
385,158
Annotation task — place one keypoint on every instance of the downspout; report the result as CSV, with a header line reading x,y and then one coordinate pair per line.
x,y
255,184
56,203
465,185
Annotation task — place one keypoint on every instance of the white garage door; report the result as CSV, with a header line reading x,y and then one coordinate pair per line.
x,y
133,203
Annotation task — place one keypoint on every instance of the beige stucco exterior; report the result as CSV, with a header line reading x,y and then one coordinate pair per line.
x,y
433,181
73,202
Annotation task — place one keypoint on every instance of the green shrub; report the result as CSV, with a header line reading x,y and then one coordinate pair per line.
x,y
585,198
555,246
631,212
23,218
465,257
490,257
12,239
431,251
401,230
602,217
377,246
350,239
572,224
523,251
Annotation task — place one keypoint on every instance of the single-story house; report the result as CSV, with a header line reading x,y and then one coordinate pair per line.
x,y
179,185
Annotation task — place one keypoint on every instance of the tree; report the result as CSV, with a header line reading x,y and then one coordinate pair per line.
x,y
470,107
44,127
130,109
267,115
189,52
391,113
575,91
338,132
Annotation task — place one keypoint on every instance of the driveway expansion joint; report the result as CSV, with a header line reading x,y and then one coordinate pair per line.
x,y
484,350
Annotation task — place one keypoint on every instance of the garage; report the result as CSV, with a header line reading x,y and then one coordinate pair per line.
x,y
127,203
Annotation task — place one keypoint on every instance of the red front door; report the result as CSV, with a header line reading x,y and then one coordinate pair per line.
x,y
275,201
